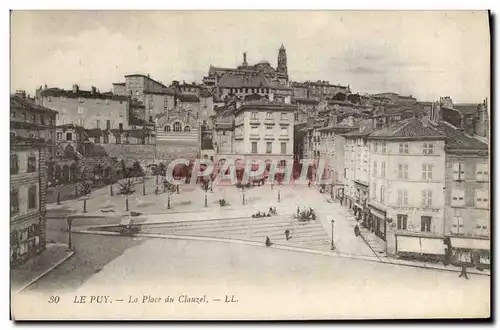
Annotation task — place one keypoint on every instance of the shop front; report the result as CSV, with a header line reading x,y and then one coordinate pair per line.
x,y
377,221
24,243
418,247
470,251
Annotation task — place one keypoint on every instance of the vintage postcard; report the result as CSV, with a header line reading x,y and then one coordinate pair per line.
x,y
250,165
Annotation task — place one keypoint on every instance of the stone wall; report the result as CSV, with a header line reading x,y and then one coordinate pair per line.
x,y
145,153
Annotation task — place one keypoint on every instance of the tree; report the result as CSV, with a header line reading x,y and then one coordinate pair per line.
x,y
126,188
85,190
137,169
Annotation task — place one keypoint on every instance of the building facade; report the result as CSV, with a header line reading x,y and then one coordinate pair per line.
x,y
32,136
407,183
89,109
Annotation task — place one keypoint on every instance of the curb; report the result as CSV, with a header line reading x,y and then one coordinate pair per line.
x,y
46,272
276,246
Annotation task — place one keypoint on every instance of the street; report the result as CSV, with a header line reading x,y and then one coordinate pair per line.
x,y
263,278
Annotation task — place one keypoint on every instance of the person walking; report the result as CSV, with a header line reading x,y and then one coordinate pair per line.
x,y
268,241
287,234
463,273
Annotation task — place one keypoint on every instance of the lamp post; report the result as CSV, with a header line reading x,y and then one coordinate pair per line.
x,y
206,190
168,199
243,194
279,196
70,245
333,246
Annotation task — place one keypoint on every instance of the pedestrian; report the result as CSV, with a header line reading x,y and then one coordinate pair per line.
x,y
309,184
287,234
268,241
464,272
356,230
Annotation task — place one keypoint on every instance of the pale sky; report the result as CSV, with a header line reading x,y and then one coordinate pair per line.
x,y
425,54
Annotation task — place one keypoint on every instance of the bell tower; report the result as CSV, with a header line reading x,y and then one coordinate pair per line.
x,y
282,68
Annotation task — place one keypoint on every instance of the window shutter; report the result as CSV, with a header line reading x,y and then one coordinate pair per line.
x,y
456,171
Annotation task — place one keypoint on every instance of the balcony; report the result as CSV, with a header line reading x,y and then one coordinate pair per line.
x,y
238,136
254,136
285,121
269,121
255,121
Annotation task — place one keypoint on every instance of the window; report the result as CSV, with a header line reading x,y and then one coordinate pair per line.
x,y
428,148
457,198
425,223
403,171
269,129
31,163
426,198
108,124
481,197
255,115
120,127
283,148
32,197
374,197
283,116
14,202
375,147
177,127
24,117
403,148
269,115
33,118
42,120
402,223
482,227
13,115
98,123
14,164
69,136
106,138
269,147
81,110
254,130
382,194
382,170
384,147
482,172
254,147
403,197
457,227
187,129
374,168
458,171
426,171
284,131
167,128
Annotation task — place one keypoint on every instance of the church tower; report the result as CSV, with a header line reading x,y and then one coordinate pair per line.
x,y
282,61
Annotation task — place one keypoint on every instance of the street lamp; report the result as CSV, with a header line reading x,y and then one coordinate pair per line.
x,y
206,190
333,246
168,199
70,221
243,194
279,196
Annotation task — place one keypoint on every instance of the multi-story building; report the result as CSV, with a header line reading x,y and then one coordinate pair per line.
x,y
89,109
407,183
467,197
263,130
356,172
32,131
319,90
223,129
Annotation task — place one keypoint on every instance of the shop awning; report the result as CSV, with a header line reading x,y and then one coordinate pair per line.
x,y
470,243
421,245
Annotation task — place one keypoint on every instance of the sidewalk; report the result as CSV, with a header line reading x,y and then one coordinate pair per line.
x,y
378,245
26,274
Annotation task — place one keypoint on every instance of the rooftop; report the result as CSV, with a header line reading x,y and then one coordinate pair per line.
x,y
58,92
466,108
458,140
412,128
242,81
188,97
20,103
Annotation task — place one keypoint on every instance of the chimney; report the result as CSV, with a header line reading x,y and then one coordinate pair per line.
x,y
75,89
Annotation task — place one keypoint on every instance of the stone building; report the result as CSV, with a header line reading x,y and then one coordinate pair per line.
x,y
407,183
89,109
32,136
467,197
